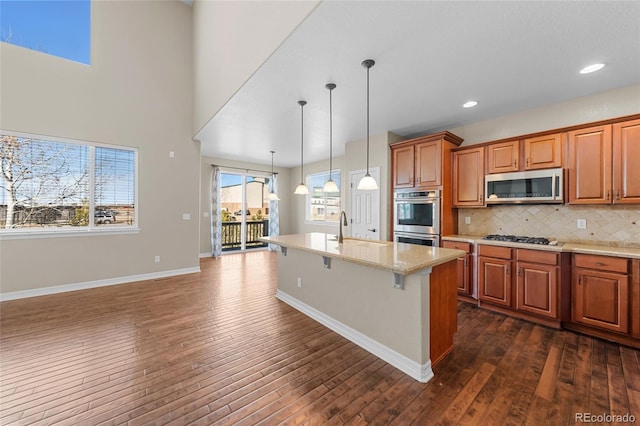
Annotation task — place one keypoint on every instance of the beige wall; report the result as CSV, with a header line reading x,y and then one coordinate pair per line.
x,y
284,183
136,93
610,104
231,40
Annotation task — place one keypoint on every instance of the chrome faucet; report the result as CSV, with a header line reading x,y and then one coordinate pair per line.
x,y
343,221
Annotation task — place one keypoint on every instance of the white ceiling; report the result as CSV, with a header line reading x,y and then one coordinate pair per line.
x,y
430,57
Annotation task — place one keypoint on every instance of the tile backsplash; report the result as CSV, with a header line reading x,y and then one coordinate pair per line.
x,y
607,225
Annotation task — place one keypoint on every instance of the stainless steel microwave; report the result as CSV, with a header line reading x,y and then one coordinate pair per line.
x,y
536,186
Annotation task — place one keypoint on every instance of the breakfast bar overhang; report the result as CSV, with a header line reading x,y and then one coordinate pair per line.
x,y
397,301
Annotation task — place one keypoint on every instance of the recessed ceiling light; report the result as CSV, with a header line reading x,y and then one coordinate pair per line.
x,y
469,104
591,68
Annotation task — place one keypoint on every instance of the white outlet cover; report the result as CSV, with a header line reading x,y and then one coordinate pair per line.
x,y
205,214
186,216
172,154
467,220
581,223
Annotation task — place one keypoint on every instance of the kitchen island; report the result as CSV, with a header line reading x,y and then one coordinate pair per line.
x,y
398,301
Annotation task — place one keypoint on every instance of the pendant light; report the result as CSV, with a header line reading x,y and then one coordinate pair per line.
x,y
272,195
302,189
330,185
368,182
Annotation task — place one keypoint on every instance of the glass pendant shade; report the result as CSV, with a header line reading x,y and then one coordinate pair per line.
x,y
272,196
367,183
301,189
330,186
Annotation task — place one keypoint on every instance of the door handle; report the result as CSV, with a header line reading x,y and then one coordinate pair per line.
x,y
371,229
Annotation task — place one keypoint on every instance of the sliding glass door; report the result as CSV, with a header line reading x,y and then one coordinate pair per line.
x,y
245,213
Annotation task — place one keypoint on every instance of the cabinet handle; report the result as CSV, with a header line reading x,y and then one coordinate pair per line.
x,y
527,161
608,193
418,179
507,269
618,194
599,264
579,280
515,163
519,272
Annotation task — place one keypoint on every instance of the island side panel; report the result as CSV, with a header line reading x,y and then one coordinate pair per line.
x,y
362,298
443,310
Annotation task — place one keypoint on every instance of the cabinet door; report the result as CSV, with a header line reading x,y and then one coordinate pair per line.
x,y
537,289
626,162
463,265
590,165
428,164
543,152
403,167
503,157
601,299
495,280
468,177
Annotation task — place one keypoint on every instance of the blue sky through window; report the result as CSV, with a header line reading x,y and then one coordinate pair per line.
x,y
57,27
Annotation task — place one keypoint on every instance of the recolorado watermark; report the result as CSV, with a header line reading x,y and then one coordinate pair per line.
x,y
604,418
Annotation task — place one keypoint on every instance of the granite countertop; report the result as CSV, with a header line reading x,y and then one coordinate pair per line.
x,y
400,258
601,250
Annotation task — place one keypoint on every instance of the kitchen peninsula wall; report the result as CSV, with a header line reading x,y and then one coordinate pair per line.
x,y
607,225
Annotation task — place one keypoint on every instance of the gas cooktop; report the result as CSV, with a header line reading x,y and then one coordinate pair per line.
x,y
520,239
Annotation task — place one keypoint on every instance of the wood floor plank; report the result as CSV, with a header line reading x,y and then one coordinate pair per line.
x,y
217,347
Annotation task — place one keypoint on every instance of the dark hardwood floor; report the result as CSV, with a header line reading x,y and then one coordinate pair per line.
x,y
218,347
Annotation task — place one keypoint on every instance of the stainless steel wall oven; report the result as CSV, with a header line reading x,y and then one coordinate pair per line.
x,y
417,217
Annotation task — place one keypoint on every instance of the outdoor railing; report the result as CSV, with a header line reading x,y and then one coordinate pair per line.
x,y
231,234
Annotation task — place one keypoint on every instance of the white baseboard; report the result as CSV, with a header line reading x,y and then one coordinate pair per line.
x,y
422,373
202,255
93,284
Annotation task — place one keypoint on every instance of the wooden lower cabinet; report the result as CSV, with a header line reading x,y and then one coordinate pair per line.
x,y
531,291
495,280
464,265
537,289
537,282
494,275
601,296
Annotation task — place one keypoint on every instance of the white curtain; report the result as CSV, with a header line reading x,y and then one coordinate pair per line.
x,y
274,214
216,216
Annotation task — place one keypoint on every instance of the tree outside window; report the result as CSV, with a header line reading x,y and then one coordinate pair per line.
x,y
55,184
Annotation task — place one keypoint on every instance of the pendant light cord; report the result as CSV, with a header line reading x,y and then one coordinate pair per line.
x,y
368,120
330,135
302,142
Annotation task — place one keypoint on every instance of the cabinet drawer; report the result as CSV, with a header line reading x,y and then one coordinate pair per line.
x,y
458,245
537,256
493,251
601,263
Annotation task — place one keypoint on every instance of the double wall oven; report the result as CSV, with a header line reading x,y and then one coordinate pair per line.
x,y
417,217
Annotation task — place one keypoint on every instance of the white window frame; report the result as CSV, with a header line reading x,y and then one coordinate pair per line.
x,y
91,229
307,201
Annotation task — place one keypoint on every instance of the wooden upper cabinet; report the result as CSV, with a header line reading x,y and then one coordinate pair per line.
x,y
403,167
468,177
590,165
543,152
626,162
503,157
428,164
419,163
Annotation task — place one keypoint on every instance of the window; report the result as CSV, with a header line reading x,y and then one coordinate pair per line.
x,y
59,28
54,185
322,206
